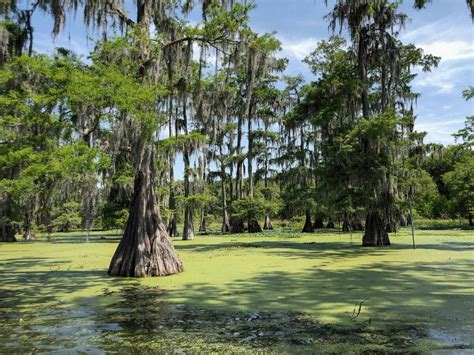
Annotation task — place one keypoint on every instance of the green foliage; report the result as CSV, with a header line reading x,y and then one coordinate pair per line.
x,y
114,216
460,184
427,197
67,217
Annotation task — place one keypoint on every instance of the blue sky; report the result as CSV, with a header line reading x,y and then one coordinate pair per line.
x,y
444,29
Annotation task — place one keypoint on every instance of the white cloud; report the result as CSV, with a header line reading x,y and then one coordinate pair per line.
x,y
441,131
445,78
449,50
444,29
298,49
443,38
453,44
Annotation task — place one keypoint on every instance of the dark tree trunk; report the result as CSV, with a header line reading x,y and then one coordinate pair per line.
x,y
188,229
318,222
28,235
27,228
330,224
357,225
392,225
346,226
225,213
267,225
253,226
7,233
237,225
469,217
308,225
225,222
403,220
172,228
375,232
239,172
145,248
202,224
172,225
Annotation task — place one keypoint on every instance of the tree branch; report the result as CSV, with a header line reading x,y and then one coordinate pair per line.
x,y
120,13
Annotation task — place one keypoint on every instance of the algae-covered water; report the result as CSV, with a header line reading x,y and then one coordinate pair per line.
x,y
276,292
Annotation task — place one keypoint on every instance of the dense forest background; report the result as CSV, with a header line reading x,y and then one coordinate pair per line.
x,y
94,143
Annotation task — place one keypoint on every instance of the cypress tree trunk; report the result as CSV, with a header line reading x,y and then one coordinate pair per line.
x,y
240,168
318,222
7,233
29,218
267,224
145,248
237,225
172,227
202,224
392,225
225,214
28,235
357,225
330,224
346,226
253,226
403,220
188,229
375,232
308,225
225,222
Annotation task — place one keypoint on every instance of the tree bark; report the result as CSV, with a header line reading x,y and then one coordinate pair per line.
x,y
403,220
172,225
318,222
202,224
308,225
225,213
346,226
375,232
357,225
392,225
469,217
28,233
188,229
330,224
7,233
237,225
267,225
145,248
253,226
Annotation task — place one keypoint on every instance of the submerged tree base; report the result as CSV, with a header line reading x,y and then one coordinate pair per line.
x,y
145,248
8,234
330,224
375,231
237,225
318,223
253,226
28,236
308,225
268,224
172,227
